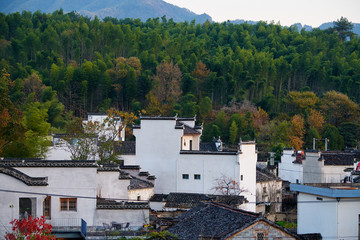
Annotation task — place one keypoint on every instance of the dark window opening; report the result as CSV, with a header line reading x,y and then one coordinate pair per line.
x,y
185,176
197,176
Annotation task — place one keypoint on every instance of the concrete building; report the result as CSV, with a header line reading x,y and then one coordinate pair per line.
x,y
170,148
333,210
67,191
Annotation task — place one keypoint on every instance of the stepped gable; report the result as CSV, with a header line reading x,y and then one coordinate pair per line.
x,y
30,181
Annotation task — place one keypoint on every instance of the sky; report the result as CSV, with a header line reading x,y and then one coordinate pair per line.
x,y
287,12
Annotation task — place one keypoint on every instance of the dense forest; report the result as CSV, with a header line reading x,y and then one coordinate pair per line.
x,y
278,85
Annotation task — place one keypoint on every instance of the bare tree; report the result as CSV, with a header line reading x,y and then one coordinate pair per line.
x,y
228,187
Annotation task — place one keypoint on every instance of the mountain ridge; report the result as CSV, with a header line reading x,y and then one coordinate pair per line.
x,y
142,9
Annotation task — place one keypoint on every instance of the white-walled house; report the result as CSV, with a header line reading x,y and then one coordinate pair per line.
x,y
67,191
268,191
169,148
290,167
314,166
333,210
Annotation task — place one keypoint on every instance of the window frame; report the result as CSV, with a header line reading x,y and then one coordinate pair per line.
x,y
66,203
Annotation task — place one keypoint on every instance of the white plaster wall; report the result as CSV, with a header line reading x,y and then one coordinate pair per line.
x,y
288,170
128,159
348,217
186,142
312,167
157,206
334,174
316,216
136,217
110,186
145,194
70,182
157,150
8,214
247,161
58,153
209,166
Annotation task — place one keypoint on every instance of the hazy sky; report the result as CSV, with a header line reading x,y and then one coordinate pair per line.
x,y
288,12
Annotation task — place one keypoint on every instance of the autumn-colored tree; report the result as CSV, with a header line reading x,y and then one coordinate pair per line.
x,y
200,73
297,132
31,228
302,100
167,82
338,108
316,119
228,187
11,124
33,84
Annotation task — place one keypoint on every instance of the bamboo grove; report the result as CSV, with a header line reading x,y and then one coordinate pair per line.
x,y
241,80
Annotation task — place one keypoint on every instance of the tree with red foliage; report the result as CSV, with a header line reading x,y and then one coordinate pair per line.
x,y
30,229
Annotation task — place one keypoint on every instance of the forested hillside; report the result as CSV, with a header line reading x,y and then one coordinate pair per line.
x,y
260,81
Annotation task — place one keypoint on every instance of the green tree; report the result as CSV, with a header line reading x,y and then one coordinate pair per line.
x,y
344,28
233,130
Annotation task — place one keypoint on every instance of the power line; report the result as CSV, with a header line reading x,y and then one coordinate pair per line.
x,y
123,199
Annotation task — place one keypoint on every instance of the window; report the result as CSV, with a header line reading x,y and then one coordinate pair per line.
x,y
190,145
197,176
47,207
68,204
260,236
185,176
138,198
241,177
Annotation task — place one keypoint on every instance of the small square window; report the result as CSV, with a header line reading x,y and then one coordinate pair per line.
x,y
185,176
260,236
197,176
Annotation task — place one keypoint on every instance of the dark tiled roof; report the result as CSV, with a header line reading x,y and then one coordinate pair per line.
x,y
263,175
158,197
126,148
208,146
111,204
108,168
208,152
190,200
217,221
211,220
157,118
311,236
49,163
130,167
137,183
338,158
190,130
30,181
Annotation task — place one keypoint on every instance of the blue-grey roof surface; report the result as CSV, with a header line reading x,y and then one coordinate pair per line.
x,y
337,191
